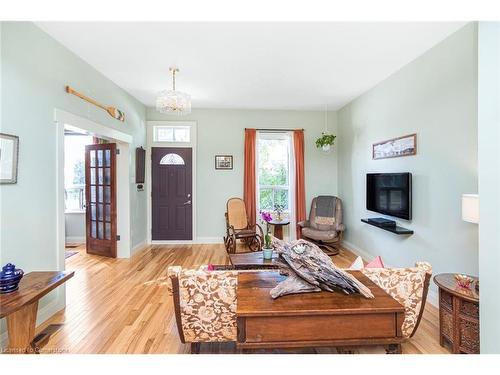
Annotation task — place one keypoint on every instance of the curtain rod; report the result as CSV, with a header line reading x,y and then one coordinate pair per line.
x,y
274,130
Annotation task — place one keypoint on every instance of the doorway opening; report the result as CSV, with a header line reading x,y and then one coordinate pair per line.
x,y
75,141
90,214
171,181
69,195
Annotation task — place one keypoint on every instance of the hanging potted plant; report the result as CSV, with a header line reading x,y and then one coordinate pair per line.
x,y
326,141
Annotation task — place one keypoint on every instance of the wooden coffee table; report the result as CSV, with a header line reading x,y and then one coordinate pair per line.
x,y
255,258
315,319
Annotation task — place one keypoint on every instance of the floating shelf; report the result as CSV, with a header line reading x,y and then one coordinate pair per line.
x,y
396,230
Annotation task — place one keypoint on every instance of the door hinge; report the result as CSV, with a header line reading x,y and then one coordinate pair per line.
x,y
117,151
118,237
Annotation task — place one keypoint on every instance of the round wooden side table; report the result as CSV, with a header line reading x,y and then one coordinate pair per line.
x,y
278,227
458,314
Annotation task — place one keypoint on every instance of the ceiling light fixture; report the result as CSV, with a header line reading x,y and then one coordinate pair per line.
x,y
173,102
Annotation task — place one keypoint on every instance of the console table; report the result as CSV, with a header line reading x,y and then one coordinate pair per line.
x,y
314,319
20,307
458,314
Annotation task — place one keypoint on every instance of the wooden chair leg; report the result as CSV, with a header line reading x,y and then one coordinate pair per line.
x,y
195,348
234,242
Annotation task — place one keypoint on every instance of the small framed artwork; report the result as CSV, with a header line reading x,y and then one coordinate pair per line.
x,y
395,148
9,149
223,161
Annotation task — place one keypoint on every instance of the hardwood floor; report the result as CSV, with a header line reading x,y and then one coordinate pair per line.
x,y
123,306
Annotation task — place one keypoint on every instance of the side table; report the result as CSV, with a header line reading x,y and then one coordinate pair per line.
x,y
278,227
458,314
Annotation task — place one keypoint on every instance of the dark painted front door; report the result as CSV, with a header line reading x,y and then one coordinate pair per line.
x,y
172,193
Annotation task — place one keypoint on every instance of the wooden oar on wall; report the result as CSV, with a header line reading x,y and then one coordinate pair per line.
x,y
113,112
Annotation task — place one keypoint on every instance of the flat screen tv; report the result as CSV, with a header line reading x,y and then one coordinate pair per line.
x,y
389,194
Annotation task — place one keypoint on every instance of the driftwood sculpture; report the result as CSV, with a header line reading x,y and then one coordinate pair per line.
x,y
310,270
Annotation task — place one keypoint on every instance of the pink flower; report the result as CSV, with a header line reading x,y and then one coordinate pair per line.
x,y
266,216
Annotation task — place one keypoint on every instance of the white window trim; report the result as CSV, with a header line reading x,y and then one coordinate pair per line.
x,y
288,135
150,142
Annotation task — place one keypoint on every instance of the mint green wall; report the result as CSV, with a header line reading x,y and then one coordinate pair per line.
x,y
35,69
434,96
489,183
221,131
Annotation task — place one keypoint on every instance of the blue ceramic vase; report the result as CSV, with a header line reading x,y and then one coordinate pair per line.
x,y
9,278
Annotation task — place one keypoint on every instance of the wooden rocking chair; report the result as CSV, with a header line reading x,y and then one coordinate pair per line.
x,y
239,228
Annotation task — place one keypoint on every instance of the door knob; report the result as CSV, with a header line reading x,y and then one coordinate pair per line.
x,y
188,202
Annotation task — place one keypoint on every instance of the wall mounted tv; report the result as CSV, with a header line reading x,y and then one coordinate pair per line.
x,y
389,194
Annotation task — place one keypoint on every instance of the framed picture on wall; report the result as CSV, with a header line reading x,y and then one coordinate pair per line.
x,y
9,149
223,161
395,147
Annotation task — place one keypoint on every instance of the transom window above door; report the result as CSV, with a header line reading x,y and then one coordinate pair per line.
x,y
176,134
273,171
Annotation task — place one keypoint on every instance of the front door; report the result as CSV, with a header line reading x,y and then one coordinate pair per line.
x,y
172,209
100,198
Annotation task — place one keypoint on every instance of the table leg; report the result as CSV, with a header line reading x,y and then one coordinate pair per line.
x,y
393,349
278,232
21,328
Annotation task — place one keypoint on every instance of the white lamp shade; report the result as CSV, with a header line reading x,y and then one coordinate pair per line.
x,y
470,208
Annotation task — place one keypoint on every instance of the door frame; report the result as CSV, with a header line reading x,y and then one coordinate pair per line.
x,y
64,119
150,143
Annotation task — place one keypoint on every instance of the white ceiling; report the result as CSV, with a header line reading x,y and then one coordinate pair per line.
x,y
250,65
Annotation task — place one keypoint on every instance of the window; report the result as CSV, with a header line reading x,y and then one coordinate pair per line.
x,y
273,177
172,159
74,171
174,134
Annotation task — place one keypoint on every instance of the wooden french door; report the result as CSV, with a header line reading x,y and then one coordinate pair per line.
x,y
100,198
172,210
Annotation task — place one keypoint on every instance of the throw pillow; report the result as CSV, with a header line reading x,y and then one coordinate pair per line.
x,y
376,263
357,264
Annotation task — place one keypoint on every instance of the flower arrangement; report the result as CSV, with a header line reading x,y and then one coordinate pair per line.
x,y
325,141
279,209
266,218
464,281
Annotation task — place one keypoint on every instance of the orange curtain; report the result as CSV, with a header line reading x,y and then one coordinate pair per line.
x,y
249,181
300,191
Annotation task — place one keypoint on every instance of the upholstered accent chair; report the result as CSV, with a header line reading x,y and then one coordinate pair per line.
x,y
239,228
324,227
204,304
408,286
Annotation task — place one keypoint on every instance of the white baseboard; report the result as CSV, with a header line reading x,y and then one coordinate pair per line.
x,y
208,240
432,297
75,239
197,241
138,247
358,251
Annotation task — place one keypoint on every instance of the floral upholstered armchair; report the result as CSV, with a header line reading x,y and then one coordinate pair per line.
x,y
205,305
408,286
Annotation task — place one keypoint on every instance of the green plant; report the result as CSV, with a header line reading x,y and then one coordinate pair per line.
x,y
325,139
